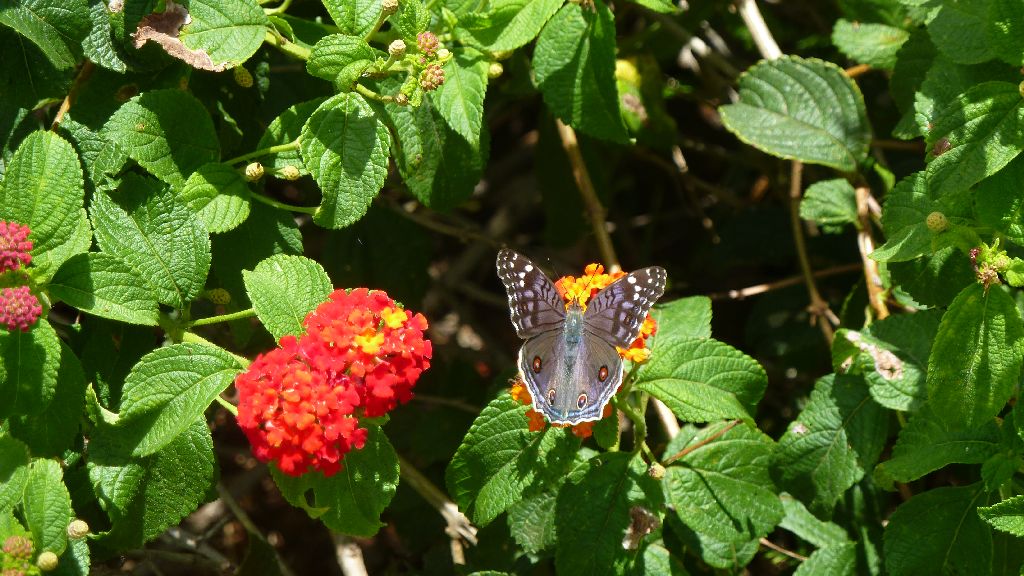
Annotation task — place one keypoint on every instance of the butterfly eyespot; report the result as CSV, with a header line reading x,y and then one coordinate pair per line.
x,y
602,374
581,402
551,396
536,364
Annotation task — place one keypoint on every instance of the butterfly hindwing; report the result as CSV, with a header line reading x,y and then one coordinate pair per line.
x,y
534,302
561,376
617,312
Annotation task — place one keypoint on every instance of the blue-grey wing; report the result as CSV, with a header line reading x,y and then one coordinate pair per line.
x,y
617,312
534,303
570,383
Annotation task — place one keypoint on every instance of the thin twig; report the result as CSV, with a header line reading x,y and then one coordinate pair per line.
x,y
595,210
908,145
83,75
866,244
858,70
682,453
758,29
819,309
784,283
349,555
769,544
459,527
424,220
243,518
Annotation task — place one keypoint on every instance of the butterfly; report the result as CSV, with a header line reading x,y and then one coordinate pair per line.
x,y
569,361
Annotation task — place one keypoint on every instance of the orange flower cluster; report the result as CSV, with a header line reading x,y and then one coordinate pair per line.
x,y
582,289
300,404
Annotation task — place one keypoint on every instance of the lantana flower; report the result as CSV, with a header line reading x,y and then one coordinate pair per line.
x,y
581,289
302,404
15,247
19,308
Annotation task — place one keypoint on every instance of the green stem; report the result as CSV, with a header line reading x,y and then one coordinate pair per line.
x,y
274,38
373,95
639,426
277,149
380,22
249,313
281,8
227,405
281,205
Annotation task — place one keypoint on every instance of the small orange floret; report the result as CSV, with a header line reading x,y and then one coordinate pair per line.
x,y
394,317
520,393
535,420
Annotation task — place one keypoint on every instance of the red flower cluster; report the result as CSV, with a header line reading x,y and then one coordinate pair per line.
x,y
15,247
300,404
581,290
19,308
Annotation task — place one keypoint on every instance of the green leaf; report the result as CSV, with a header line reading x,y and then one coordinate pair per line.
x,y
101,284
806,110
1005,29
284,129
956,541
702,380
927,444
999,468
934,280
351,501
945,81
53,431
683,318
999,204
511,24
99,45
56,27
155,492
440,167
27,78
158,238
721,494
47,506
907,207
219,195
838,435
14,459
284,289
43,189
28,369
959,31
574,63
893,357
1007,515
168,132
976,359
836,560
411,19
830,203
913,62
460,100
656,559
169,389
807,526
500,461
595,509
75,561
345,147
532,522
341,59
228,31
983,127
872,44
354,17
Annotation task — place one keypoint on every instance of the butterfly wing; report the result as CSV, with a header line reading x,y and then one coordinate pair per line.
x,y
570,382
617,312
533,301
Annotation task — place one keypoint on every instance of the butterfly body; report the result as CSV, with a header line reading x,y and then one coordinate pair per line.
x,y
569,361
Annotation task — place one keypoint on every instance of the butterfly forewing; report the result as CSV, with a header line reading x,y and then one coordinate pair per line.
x,y
617,312
533,301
